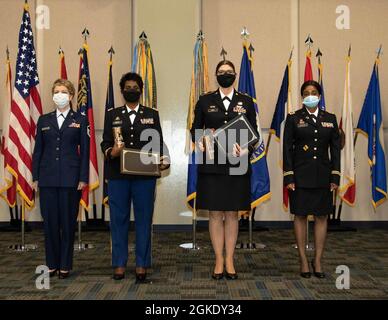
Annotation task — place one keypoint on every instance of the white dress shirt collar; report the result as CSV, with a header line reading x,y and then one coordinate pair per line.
x,y
65,113
136,109
230,95
314,113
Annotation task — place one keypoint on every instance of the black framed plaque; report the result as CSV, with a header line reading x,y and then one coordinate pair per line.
x,y
233,132
140,163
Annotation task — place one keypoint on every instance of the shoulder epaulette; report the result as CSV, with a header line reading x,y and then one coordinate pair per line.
x,y
243,94
208,92
147,107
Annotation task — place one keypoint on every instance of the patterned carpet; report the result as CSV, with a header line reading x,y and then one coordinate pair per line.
x,y
270,273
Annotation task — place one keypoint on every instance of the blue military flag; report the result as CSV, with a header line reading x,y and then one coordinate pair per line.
x,y
260,184
109,104
370,124
283,107
199,85
322,103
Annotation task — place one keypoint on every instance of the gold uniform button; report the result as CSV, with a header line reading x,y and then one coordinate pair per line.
x,y
131,135
315,140
315,148
316,131
315,157
226,113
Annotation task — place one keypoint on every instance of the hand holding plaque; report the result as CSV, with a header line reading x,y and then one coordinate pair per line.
x,y
236,137
164,163
119,141
208,143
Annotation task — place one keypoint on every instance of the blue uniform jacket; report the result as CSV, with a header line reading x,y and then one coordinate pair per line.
x,y
61,156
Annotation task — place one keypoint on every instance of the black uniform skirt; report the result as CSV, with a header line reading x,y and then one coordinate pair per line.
x,y
217,192
317,202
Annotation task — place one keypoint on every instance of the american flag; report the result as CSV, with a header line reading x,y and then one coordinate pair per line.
x,y
26,108
85,107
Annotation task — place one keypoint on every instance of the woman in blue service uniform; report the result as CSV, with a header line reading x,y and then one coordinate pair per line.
x,y
220,190
310,174
123,189
60,171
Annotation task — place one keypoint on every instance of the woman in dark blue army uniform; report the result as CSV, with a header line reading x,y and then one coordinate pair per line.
x,y
60,169
310,174
219,189
134,119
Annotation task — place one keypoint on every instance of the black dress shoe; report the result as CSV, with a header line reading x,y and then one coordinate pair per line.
x,y
63,275
231,276
306,275
53,273
141,277
118,276
217,276
320,275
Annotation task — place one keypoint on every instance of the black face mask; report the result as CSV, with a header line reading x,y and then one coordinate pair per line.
x,y
132,95
226,80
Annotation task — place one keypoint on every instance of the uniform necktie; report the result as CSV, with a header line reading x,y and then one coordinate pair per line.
x,y
226,101
61,119
132,115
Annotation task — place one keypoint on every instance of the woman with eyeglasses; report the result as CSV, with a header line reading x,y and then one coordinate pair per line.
x,y
310,174
221,190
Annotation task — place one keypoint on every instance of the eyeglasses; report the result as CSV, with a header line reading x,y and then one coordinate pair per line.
x,y
229,72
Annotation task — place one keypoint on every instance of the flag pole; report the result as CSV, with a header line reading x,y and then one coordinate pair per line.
x,y
338,218
246,223
23,247
94,205
195,247
79,229
10,227
111,53
23,224
80,246
268,142
335,223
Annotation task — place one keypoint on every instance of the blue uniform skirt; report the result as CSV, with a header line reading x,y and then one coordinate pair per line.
x,y
218,192
317,201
